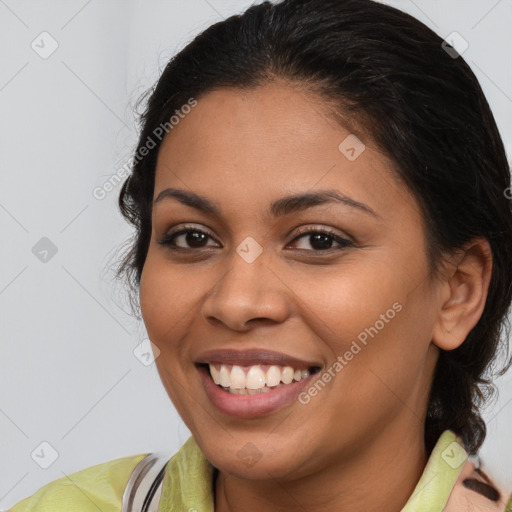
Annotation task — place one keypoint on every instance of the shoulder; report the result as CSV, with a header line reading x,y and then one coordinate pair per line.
x,y
475,490
98,487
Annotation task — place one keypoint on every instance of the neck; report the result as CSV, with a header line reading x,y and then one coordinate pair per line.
x,y
380,479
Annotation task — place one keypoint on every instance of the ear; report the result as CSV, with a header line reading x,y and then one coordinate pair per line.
x,y
462,293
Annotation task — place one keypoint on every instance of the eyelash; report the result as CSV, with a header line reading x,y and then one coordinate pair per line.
x,y
169,238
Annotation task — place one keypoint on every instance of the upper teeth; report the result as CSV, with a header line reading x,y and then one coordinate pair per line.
x,y
254,377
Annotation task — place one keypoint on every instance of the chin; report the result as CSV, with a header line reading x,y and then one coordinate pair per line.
x,y
257,459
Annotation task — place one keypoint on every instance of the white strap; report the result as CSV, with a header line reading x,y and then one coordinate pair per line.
x,y
144,487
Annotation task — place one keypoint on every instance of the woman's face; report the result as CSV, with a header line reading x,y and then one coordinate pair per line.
x,y
357,302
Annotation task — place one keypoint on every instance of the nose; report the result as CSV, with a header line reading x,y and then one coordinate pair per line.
x,y
247,294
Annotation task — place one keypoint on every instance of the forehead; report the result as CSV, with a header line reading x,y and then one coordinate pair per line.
x,y
251,145
275,116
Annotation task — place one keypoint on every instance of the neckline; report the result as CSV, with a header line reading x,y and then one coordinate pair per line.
x,y
189,480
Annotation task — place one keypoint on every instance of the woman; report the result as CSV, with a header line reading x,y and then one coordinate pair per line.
x,y
322,259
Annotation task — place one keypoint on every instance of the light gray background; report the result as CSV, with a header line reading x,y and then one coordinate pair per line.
x,y
69,376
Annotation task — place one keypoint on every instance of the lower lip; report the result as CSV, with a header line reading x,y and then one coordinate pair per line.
x,y
250,406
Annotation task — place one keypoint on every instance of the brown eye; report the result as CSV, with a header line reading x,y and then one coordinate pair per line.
x,y
321,239
191,237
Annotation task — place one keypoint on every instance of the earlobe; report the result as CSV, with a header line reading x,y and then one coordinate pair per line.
x,y
463,293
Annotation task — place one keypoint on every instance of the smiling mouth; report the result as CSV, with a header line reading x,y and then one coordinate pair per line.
x,y
255,379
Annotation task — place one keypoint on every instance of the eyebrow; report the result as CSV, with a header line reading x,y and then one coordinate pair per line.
x,y
279,208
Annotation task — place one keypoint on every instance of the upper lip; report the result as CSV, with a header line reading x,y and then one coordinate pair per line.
x,y
253,357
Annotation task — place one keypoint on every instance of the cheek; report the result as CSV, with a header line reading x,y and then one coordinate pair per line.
x,y
161,298
344,303
373,321
391,371
171,297
167,313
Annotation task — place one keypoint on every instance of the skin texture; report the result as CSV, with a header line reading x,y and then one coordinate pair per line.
x,y
358,444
